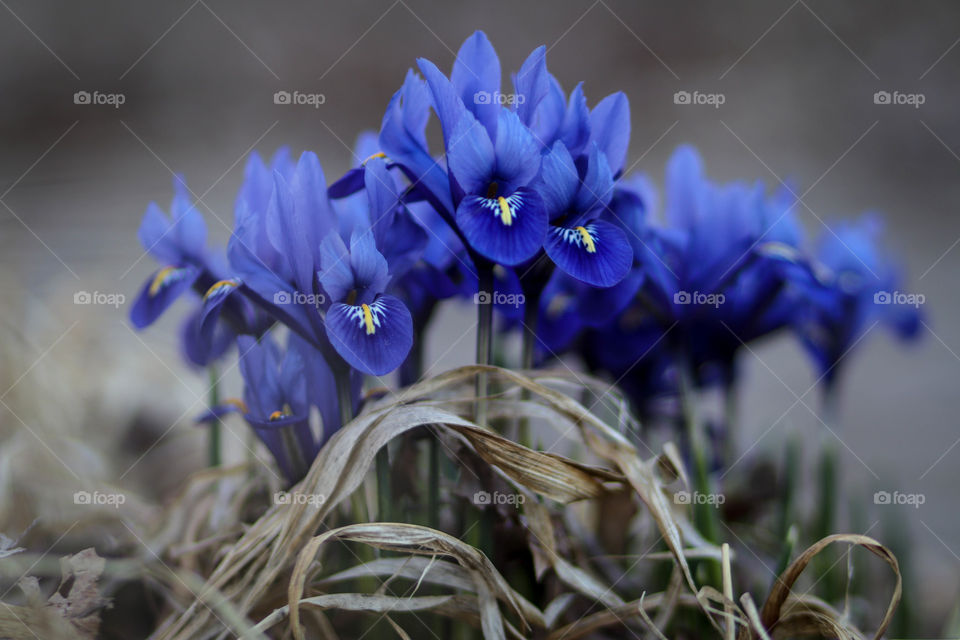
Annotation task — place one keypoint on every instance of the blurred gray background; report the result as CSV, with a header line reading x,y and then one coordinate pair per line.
x,y
798,78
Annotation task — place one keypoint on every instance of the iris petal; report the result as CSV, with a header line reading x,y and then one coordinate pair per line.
x,y
374,338
596,253
610,128
506,230
159,292
476,75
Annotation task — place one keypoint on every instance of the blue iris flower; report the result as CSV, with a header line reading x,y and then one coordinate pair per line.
x,y
581,241
276,401
856,284
293,261
179,243
492,157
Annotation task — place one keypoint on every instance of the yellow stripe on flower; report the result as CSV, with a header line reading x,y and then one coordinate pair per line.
x,y
160,279
238,403
587,240
378,154
368,320
506,215
278,415
219,285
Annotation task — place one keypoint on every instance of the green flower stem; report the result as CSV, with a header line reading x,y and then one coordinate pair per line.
x,y
214,430
531,313
484,337
706,516
345,401
828,490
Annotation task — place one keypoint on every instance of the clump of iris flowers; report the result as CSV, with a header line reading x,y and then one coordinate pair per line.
x,y
326,283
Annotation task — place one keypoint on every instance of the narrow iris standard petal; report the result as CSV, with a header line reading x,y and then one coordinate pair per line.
x,y
373,338
159,292
596,252
507,230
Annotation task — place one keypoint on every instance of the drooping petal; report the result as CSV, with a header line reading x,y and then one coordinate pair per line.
x,y
202,349
596,252
476,76
506,230
610,128
373,338
517,152
159,292
213,303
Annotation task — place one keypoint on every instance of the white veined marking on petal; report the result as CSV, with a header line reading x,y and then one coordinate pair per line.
x,y
368,317
504,208
585,236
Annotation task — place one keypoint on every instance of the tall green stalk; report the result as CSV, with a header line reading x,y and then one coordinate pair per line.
x,y
705,515
214,457
531,313
484,336
828,490
345,402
